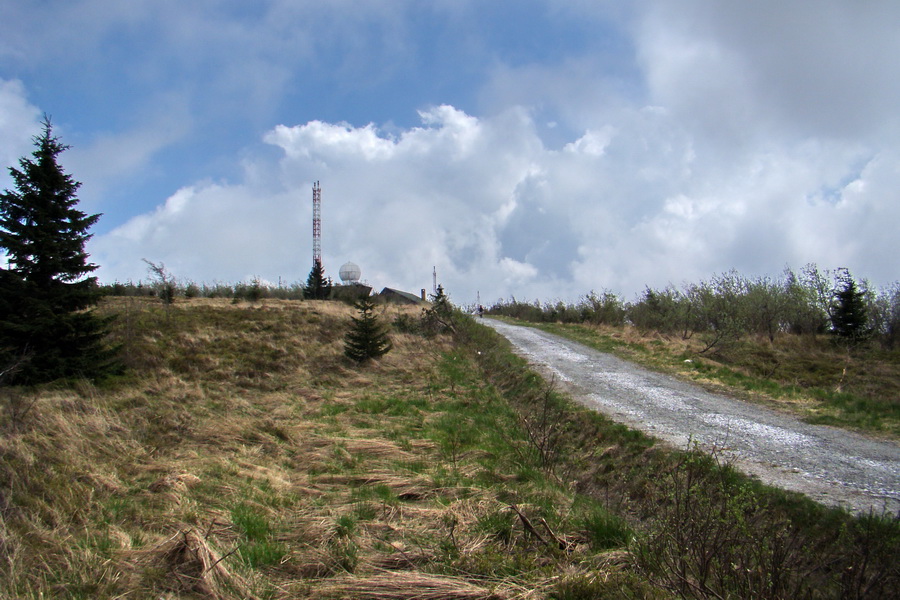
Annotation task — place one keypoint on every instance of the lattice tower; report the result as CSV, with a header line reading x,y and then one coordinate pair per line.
x,y
317,224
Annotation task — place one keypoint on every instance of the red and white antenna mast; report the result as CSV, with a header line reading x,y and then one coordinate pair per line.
x,y
317,224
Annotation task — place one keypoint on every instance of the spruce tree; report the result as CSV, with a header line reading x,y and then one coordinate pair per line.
x,y
367,338
318,287
439,317
849,318
45,329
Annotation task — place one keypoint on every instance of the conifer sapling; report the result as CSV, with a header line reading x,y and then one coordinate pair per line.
x,y
367,338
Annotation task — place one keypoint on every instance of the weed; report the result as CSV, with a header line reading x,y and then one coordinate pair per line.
x,y
344,526
366,511
250,522
497,524
455,434
605,530
262,553
344,554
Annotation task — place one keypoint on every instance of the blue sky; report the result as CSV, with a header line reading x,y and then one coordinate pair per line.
x,y
536,149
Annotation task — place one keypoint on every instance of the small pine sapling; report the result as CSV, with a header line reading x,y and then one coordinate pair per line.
x,y
367,339
318,287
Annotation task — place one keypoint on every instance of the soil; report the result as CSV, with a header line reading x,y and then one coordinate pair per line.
x,y
830,465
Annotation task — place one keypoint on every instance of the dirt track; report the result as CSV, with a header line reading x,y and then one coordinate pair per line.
x,y
830,465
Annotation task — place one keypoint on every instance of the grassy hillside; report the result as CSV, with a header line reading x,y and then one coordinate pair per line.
x,y
243,456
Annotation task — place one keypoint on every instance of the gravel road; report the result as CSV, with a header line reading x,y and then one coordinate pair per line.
x,y
832,466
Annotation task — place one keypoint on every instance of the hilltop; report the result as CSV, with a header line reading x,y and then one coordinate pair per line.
x,y
242,455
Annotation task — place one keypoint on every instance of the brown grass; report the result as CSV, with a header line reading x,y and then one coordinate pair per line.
x,y
239,459
403,586
187,564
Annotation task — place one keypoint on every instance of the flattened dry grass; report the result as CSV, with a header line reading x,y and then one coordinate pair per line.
x,y
243,456
403,586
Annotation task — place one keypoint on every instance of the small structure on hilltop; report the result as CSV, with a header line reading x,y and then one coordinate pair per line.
x,y
349,273
399,297
350,289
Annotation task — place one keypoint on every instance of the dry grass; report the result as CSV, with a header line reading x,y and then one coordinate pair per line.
x,y
403,586
191,566
244,457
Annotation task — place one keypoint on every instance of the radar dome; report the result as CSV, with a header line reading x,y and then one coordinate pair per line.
x,y
349,273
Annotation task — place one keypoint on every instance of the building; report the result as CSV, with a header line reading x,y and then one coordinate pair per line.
x,y
399,297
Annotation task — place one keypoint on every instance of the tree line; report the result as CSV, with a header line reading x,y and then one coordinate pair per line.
x,y
727,306
166,286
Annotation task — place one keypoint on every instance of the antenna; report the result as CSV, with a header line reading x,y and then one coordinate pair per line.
x,y
434,280
317,224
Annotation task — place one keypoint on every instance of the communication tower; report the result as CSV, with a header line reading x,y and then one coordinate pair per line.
x,y
317,224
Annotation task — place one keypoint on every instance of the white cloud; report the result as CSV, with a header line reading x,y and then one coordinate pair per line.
x,y
745,135
207,232
516,272
498,213
592,142
770,68
396,206
330,142
19,123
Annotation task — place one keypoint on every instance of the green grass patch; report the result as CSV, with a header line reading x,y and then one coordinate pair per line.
x,y
249,521
604,529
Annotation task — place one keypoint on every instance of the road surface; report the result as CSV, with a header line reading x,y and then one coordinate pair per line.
x,y
832,466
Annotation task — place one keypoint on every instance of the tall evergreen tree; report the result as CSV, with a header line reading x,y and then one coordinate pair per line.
x,y
45,329
367,339
318,287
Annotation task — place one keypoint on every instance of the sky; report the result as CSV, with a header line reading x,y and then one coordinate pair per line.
x,y
528,149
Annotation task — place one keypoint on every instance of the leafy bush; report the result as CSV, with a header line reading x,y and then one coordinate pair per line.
x,y
730,306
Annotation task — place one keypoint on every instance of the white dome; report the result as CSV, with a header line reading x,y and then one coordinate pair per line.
x,y
350,273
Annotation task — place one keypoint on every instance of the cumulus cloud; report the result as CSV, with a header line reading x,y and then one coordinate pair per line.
x,y
500,214
658,144
398,206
